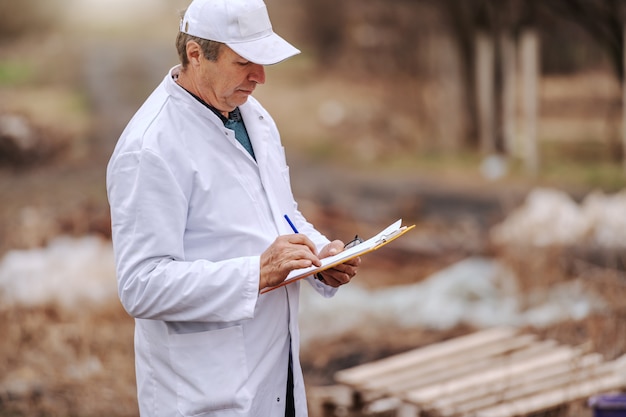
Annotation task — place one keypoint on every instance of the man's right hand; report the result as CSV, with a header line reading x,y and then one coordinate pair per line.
x,y
288,252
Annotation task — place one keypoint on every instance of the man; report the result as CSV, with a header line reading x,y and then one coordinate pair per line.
x,y
199,190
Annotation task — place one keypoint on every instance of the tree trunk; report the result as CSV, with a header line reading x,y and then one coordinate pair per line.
x,y
485,91
530,77
509,96
624,104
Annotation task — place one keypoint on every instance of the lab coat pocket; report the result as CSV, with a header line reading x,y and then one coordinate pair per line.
x,y
211,370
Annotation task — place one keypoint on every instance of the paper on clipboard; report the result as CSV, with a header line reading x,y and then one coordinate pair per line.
x,y
385,236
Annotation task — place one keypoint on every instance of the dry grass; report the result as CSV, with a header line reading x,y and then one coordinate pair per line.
x,y
57,362
79,362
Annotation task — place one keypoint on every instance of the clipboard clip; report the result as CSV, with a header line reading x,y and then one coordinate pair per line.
x,y
391,236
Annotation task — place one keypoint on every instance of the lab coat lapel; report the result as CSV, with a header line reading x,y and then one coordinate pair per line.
x,y
259,134
259,131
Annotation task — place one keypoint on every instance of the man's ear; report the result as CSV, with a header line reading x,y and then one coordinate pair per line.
x,y
194,52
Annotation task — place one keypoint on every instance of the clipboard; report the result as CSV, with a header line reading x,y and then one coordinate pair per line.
x,y
382,238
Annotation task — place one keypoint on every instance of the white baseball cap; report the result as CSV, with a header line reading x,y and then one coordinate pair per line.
x,y
243,25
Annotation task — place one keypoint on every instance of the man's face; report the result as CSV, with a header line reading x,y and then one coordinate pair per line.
x,y
227,82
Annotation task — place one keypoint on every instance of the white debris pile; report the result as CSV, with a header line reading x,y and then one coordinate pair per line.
x,y
551,217
607,215
79,272
478,291
69,271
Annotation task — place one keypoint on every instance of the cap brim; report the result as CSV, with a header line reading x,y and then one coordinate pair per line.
x,y
269,50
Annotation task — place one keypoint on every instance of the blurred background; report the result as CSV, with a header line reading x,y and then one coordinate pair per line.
x,y
495,126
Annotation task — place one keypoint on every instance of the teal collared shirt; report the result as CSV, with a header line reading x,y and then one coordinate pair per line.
x,y
233,122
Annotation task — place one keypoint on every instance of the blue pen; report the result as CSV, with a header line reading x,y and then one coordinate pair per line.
x,y
317,276
291,224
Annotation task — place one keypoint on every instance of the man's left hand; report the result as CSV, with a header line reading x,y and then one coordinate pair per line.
x,y
340,274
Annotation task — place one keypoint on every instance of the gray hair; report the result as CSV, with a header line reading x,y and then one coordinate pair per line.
x,y
210,49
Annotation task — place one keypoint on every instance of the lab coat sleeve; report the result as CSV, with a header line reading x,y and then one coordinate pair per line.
x,y
148,217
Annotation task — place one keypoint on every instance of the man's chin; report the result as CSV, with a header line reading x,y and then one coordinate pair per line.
x,y
240,99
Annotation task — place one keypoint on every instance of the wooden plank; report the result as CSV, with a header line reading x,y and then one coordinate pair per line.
x,y
392,364
491,373
500,389
421,378
552,398
562,379
506,372
325,401
408,410
452,366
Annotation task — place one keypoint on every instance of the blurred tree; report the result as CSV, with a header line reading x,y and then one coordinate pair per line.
x,y
463,17
601,19
486,33
497,45
604,21
325,25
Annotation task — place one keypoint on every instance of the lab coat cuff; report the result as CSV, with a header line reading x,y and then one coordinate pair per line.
x,y
255,276
325,290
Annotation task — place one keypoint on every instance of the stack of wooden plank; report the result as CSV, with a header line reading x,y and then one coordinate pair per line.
x,y
498,372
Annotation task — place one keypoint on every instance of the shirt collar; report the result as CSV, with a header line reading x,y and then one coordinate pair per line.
x,y
234,115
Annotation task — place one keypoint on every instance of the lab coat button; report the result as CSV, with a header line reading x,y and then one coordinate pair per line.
x,y
260,117
278,399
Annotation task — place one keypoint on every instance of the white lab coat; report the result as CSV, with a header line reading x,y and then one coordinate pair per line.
x,y
191,213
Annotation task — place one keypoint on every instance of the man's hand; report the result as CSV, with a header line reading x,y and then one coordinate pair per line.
x,y
342,273
288,252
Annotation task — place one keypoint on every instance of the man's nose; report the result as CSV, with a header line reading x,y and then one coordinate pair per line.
x,y
257,74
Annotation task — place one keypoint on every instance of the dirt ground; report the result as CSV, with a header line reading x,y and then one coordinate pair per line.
x,y
79,362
